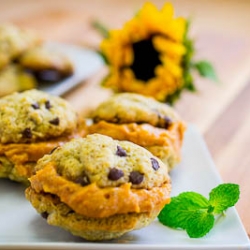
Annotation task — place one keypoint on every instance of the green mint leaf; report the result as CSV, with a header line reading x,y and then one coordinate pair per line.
x,y
194,213
176,214
206,69
224,196
199,224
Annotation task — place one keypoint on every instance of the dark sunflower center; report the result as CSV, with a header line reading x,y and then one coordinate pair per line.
x,y
146,58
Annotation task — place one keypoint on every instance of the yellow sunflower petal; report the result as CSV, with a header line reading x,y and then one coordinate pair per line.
x,y
135,30
170,47
173,68
177,29
167,10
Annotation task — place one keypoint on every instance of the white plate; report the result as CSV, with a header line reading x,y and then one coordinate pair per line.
x,y
86,62
22,228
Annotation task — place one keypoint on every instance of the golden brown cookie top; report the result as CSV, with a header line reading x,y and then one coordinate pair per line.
x,y
108,163
33,116
130,107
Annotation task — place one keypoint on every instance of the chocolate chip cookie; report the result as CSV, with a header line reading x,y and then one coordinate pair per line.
x,y
99,188
144,121
32,123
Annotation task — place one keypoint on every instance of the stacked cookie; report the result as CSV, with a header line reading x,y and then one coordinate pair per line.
x,y
26,61
99,188
32,123
141,120
46,64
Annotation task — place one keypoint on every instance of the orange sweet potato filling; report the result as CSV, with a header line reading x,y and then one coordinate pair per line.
x,y
93,201
27,152
143,134
19,153
22,154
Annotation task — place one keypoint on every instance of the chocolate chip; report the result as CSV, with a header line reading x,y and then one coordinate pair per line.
x,y
35,105
55,121
136,177
27,133
167,122
163,121
83,180
44,215
48,105
48,75
120,151
115,174
155,164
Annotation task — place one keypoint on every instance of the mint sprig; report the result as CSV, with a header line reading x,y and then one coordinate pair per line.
x,y
195,213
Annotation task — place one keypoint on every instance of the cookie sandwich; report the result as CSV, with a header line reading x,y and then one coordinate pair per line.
x,y
26,61
33,123
46,64
142,120
99,188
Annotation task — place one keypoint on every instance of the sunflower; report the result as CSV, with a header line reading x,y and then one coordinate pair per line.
x,y
150,55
